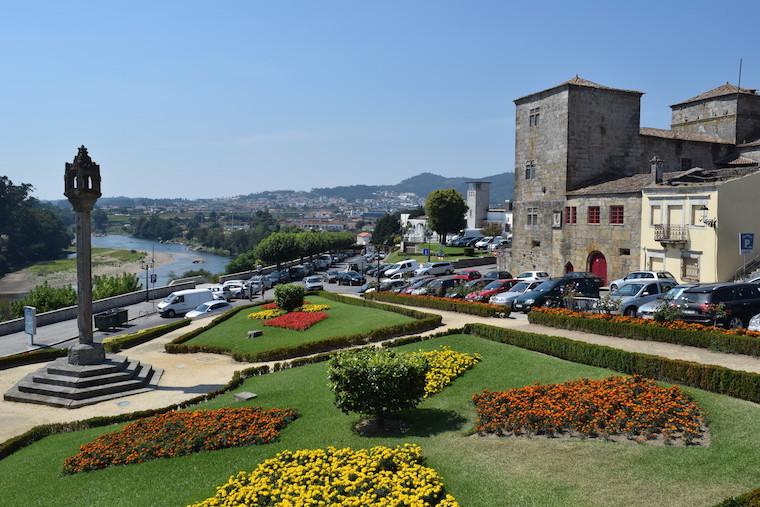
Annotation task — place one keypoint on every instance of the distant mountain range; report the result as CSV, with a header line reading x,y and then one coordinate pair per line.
x,y
502,187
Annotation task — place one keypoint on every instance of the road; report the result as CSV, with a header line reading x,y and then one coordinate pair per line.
x,y
142,315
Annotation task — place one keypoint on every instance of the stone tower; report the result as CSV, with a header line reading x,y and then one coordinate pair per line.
x,y
478,198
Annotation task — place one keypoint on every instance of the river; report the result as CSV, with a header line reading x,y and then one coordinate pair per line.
x,y
182,256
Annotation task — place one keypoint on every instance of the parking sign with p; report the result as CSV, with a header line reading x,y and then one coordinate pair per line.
x,y
746,242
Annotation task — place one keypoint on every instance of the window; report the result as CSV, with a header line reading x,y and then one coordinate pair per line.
x,y
686,164
532,216
675,215
594,214
655,215
533,117
625,251
530,169
535,243
616,215
696,215
571,214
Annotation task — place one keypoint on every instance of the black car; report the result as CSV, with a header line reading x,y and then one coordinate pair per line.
x,y
297,272
549,293
497,275
351,278
739,300
332,276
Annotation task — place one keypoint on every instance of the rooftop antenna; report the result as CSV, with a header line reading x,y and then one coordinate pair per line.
x,y
740,75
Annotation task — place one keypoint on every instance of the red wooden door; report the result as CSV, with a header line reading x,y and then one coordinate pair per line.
x,y
597,265
569,268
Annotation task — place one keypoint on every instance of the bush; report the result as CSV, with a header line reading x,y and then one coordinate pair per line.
x,y
35,356
446,304
108,286
469,251
377,382
751,499
289,297
45,298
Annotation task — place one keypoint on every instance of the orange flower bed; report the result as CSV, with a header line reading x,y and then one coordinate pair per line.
x,y
297,321
635,407
675,325
180,433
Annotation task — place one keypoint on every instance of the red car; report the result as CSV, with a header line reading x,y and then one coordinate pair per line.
x,y
471,274
493,288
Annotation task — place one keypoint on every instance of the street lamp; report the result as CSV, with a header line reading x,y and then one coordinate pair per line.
x,y
428,235
710,222
147,266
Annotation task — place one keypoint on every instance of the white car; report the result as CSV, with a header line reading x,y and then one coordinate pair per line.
x,y
405,266
397,276
313,283
754,323
208,308
517,290
484,242
236,288
533,276
497,242
636,275
435,268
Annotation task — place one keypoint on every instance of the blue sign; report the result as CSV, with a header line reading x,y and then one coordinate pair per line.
x,y
425,251
746,242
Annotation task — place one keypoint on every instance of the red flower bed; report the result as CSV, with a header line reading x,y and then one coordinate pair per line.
x,y
180,433
273,306
632,406
298,321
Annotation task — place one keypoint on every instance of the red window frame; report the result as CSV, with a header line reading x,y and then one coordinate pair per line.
x,y
617,215
571,214
594,214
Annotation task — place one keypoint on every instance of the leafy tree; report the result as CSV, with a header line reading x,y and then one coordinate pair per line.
x,y
445,210
45,298
246,261
99,220
108,286
491,230
279,247
289,296
386,229
377,382
155,227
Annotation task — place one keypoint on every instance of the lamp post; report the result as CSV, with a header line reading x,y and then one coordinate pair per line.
x,y
147,266
710,222
82,188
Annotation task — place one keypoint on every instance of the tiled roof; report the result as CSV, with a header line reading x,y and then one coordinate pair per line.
x,y
625,185
579,81
739,162
684,136
720,91
756,142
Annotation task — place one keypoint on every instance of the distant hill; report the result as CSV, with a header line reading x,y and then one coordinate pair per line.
x,y
502,186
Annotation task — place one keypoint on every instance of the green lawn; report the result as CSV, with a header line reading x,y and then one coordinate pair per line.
x,y
342,320
100,257
452,253
478,471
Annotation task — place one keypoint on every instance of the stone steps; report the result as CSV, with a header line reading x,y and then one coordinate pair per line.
x,y
129,373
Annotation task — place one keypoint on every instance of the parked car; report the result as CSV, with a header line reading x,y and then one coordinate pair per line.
x,y
471,274
435,268
281,276
378,270
392,286
754,323
265,280
741,301
332,276
208,308
500,242
237,288
297,272
549,293
484,242
220,292
647,310
405,266
439,286
351,278
635,275
632,295
182,301
493,288
533,276
497,275
416,283
313,283
517,290
461,291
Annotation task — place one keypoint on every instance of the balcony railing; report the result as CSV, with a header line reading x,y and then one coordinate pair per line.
x,y
671,233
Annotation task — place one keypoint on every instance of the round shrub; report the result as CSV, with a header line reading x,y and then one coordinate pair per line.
x,y
377,382
289,297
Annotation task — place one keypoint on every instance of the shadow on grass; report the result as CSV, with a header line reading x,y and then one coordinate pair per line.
x,y
425,422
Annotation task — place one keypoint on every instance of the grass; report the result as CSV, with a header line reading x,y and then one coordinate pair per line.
x,y
342,320
477,471
452,253
100,257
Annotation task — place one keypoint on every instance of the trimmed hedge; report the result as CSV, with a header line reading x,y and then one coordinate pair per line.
x,y
735,383
751,499
130,340
721,342
446,304
35,356
424,322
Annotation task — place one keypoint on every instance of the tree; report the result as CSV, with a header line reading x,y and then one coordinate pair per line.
x,y
386,229
491,229
104,286
377,382
99,220
289,297
445,210
279,247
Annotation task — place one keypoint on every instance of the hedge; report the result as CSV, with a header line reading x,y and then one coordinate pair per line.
x,y
751,499
721,342
42,355
446,304
130,340
423,322
735,383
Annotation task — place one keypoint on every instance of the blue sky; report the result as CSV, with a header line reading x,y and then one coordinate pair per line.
x,y
201,99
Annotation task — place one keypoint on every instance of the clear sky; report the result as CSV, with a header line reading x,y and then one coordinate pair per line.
x,y
201,99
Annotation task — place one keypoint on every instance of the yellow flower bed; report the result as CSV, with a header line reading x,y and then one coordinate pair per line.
x,y
444,366
265,314
314,308
380,476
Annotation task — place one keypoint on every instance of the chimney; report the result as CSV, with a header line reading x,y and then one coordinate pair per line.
x,y
655,166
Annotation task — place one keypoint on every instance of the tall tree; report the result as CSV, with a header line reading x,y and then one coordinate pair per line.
x,y
386,229
279,247
445,210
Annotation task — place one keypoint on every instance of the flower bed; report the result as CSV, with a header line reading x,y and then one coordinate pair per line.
x,y
735,341
634,407
445,365
297,321
380,476
267,314
273,305
179,433
439,303
314,308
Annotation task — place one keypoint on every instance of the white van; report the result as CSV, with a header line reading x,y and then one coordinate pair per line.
x,y
182,301
405,266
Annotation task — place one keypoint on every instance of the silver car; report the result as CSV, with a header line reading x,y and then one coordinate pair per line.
x,y
632,295
517,290
647,311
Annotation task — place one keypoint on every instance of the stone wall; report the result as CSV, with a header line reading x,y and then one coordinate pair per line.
x,y
748,119
672,151
715,117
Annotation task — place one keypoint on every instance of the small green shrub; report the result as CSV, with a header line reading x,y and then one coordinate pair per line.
x,y
468,251
289,297
377,382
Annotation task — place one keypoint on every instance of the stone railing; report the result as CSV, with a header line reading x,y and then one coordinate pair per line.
x,y
671,233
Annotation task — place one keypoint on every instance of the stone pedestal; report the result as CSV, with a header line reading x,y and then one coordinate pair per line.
x,y
86,353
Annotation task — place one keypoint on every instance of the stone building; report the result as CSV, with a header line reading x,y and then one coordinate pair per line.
x,y
478,199
582,159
